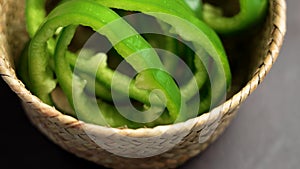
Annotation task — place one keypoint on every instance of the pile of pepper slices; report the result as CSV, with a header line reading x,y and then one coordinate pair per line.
x,y
47,62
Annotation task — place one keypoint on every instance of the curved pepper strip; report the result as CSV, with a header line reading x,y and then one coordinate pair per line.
x,y
35,14
35,7
100,90
209,40
251,11
108,115
67,14
196,6
206,37
105,76
86,109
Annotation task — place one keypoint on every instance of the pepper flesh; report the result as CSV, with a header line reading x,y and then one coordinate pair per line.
x,y
206,38
42,47
67,14
251,11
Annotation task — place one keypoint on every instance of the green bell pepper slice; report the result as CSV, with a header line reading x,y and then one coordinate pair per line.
x,y
79,12
251,11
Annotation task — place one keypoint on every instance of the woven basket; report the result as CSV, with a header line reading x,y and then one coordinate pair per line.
x,y
251,58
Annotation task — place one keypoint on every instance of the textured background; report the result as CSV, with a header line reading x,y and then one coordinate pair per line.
x,y
264,135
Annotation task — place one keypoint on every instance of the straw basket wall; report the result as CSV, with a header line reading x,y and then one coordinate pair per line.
x,y
118,148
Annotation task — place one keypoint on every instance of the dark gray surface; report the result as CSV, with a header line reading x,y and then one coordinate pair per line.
x,y
264,135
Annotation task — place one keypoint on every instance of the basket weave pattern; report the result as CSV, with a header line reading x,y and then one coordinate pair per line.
x,y
189,138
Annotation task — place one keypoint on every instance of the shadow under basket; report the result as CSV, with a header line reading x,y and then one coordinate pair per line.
x,y
169,146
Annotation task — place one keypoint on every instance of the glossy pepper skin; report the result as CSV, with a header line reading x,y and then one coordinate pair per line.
x,y
206,38
47,62
251,12
68,13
